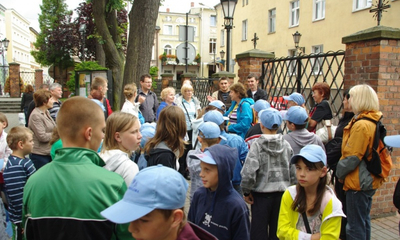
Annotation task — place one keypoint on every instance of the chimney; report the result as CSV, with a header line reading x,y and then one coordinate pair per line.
x,y
192,4
167,9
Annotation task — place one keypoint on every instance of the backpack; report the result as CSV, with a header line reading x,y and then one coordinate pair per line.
x,y
396,196
381,161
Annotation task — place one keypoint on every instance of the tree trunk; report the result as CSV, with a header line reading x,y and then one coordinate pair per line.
x,y
100,55
142,23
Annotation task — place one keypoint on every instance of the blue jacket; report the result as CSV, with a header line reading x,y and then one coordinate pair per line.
x,y
223,212
244,117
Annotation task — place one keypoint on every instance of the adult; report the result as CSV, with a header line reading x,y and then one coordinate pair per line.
x,y
150,104
41,124
322,110
27,98
31,105
360,185
130,106
98,91
167,97
254,91
191,107
240,113
223,92
56,93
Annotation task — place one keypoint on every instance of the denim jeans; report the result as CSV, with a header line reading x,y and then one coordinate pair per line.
x,y
358,206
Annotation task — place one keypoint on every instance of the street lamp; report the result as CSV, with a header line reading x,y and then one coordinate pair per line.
x,y
228,7
3,48
222,54
82,30
296,39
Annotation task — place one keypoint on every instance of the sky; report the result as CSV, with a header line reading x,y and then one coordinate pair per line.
x,y
30,8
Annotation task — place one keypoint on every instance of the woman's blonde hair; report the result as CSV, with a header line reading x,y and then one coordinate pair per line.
x,y
130,91
363,98
117,122
186,87
171,129
166,91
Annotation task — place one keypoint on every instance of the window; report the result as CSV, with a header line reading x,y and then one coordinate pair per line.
x,y
316,63
272,20
222,38
294,13
213,45
213,20
244,30
168,49
292,70
245,2
167,30
318,9
361,4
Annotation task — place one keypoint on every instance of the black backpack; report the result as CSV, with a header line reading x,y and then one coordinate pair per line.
x,y
396,196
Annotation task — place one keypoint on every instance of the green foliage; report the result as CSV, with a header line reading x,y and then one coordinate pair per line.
x,y
153,71
83,66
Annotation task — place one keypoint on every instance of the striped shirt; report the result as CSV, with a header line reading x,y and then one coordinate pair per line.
x,y
15,176
54,110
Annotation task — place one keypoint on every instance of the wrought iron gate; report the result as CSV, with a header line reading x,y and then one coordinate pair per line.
x,y
283,76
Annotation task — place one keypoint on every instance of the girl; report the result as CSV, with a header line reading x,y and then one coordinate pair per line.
x,y
167,144
121,138
130,106
307,207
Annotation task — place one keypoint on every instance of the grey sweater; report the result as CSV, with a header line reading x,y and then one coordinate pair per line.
x,y
300,138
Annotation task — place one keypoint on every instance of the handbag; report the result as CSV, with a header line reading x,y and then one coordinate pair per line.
x,y
326,128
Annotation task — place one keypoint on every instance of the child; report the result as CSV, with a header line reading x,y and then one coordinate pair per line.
x,y
153,204
311,203
266,174
209,134
5,151
167,144
217,207
17,172
122,137
130,106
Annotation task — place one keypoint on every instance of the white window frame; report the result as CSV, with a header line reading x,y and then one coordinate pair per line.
x,y
212,45
213,23
361,4
318,10
316,63
222,38
294,13
168,49
272,20
292,70
169,27
244,30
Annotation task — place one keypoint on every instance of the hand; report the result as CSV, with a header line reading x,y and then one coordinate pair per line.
x,y
249,199
141,99
341,180
210,99
316,236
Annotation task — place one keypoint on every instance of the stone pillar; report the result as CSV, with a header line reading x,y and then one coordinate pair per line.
x,y
187,76
38,78
166,79
373,57
251,62
15,83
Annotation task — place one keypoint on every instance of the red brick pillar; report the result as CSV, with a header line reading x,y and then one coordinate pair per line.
x,y
251,62
166,79
38,78
15,84
373,57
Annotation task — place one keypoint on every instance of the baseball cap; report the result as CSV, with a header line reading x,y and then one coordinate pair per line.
x,y
215,117
205,157
296,115
269,117
312,153
295,97
392,141
155,187
210,130
147,130
260,105
218,104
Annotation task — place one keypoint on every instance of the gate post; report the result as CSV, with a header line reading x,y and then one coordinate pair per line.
x,y
373,57
166,78
38,78
14,80
251,62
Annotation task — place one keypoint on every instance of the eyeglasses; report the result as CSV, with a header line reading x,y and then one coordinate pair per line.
x,y
348,96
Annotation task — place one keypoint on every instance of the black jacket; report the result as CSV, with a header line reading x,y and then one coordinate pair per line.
x,y
162,156
260,94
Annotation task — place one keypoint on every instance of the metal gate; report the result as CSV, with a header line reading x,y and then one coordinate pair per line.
x,y
283,76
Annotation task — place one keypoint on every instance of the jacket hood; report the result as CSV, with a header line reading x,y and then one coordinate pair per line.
x,y
302,137
113,158
273,144
374,115
248,100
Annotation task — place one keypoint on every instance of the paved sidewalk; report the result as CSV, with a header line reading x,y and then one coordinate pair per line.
x,y
385,228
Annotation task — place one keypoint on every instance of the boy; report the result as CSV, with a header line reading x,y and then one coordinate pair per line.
x,y
216,207
17,172
262,185
209,134
99,88
153,204
298,137
64,199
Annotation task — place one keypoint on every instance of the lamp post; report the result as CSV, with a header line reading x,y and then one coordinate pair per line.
x,y
3,48
222,54
296,39
82,30
228,7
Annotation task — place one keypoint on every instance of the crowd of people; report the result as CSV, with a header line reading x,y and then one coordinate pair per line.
x,y
79,170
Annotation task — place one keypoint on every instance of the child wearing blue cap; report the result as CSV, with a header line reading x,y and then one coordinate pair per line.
x,y
217,207
310,209
266,174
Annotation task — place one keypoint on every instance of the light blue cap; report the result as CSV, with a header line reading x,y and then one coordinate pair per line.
x,y
297,115
218,104
392,141
205,157
260,105
155,187
295,97
312,153
269,117
147,130
215,117
210,130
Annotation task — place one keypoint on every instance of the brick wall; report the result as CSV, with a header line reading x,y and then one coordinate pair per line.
x,y
251,62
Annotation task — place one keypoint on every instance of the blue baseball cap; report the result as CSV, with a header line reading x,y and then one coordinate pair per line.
x,y
155,187
218,104
392,141
215,117
269,117
260,105
295,97
296,115
205,157
147,130
312,153
210,130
